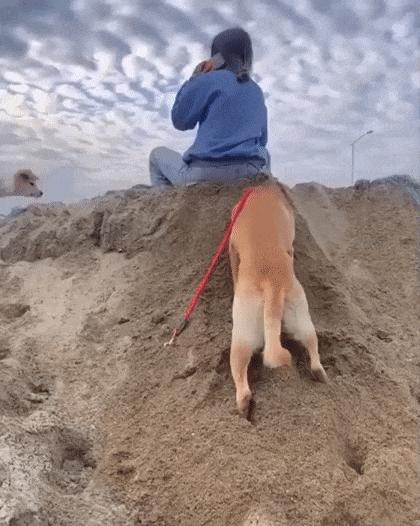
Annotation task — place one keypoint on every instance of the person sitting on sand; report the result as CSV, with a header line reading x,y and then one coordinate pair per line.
x,y
231,114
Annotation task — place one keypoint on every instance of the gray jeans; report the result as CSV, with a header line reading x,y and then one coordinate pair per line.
x,y
167,168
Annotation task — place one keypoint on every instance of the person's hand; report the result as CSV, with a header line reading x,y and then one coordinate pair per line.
x,y
204,67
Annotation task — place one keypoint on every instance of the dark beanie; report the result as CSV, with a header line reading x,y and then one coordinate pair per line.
x,y
236,49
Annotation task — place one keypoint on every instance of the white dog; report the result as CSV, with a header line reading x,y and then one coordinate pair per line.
x,y
23,183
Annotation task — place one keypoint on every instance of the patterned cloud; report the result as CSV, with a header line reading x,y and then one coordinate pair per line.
x,y
86,86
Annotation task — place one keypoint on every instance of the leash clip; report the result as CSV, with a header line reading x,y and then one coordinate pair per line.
x,y
172,340
176,333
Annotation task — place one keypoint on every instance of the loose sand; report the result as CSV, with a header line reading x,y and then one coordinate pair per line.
x,y
102,425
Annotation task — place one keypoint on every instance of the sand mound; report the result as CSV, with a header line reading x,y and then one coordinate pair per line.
x,y
102,425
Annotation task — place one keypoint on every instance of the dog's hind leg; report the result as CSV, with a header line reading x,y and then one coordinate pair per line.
x,y
298,323
247,337
274,354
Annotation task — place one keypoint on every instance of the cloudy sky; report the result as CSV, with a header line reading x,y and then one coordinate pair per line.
x,y
86,86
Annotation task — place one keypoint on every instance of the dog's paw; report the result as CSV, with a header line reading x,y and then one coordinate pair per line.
x,y
319,374
243,402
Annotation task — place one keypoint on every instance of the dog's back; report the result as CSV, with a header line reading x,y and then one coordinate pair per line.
x,y
263,235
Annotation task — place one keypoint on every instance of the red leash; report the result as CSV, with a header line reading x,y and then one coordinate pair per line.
x,y
213,264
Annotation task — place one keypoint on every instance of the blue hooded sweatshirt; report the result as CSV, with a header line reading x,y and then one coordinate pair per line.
x,y
231,117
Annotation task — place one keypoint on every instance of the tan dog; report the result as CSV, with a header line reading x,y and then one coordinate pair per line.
x,y
23,183
266,290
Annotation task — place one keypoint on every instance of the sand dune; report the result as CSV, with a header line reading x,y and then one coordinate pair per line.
x,y
102,425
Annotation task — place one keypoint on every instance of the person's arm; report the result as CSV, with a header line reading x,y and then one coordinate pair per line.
x,y
191,102
264,133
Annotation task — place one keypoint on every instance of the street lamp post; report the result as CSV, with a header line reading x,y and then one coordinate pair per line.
x,y
352,153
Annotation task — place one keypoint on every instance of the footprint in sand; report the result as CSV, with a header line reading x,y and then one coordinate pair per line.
x,y
18,394
12,311
4,474
4,352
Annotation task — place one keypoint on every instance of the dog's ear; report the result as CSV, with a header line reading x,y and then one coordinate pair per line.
x,y
27,175
23,174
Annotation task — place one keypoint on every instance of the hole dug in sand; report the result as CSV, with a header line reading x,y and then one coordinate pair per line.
x,y
72,461
29,518
354,457
341,518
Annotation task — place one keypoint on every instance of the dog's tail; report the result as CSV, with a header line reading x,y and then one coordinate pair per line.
x,y
274,354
